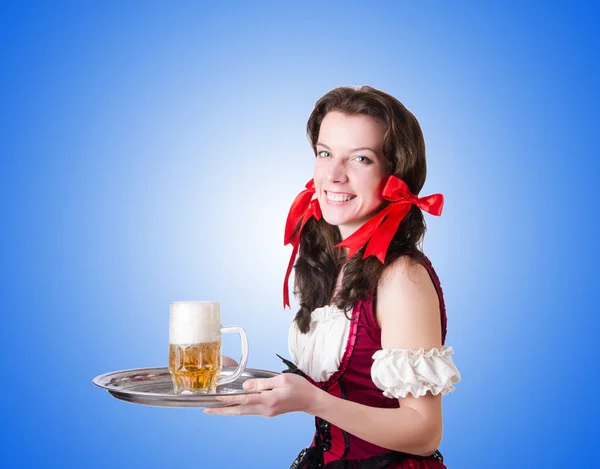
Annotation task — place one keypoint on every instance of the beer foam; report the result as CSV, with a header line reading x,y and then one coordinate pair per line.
x,y
194,322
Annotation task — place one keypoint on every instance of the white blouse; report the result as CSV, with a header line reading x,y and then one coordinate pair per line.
x,y
319,352
397,372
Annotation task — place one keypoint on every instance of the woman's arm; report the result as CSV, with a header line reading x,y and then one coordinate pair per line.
x,y
408,312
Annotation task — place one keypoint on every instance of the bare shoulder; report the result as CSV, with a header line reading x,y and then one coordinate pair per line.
x,y
408,309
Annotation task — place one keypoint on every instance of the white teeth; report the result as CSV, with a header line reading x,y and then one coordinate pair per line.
x,y
339,197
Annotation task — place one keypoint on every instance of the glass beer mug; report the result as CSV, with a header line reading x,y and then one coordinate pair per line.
x,y
195,347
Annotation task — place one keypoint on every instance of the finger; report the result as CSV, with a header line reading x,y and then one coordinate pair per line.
x,y
243,399
226,361
234,410
261,384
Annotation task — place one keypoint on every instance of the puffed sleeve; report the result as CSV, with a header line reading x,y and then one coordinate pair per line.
x,y
398,372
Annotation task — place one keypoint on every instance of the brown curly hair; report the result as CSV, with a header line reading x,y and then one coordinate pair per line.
x,y
319,261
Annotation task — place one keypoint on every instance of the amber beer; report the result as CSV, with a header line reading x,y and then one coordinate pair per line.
x,y
195,367
195,347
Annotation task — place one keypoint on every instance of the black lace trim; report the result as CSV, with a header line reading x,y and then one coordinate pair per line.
x,y
291,367
312,458
344,432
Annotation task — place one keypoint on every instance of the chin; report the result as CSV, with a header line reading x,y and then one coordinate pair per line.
x,y
335,220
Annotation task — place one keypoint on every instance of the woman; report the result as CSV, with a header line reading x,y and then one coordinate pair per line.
x,y
367,343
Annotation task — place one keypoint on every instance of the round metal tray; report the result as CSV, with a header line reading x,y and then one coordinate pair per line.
x,y
153,386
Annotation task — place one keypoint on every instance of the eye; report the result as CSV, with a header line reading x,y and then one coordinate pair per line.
x,y
363,159
323,154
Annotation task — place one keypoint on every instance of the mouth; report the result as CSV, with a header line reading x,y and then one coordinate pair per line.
x,y
339,196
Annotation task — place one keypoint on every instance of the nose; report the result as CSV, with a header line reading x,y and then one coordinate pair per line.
x,y
336,171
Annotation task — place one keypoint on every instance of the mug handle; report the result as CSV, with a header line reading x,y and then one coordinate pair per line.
x,y
242,365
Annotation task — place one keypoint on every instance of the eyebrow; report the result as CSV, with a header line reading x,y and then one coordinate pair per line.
x,y
352,150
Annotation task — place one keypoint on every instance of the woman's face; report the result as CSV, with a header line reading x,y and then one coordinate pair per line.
x,y
349,170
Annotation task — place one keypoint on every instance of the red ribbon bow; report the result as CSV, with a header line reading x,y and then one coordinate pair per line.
x,y
379,230
301,211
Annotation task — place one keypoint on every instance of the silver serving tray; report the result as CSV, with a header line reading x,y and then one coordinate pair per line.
x,y
153,386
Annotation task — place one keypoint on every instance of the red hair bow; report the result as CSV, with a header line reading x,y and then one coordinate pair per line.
x,y
301,211
379,230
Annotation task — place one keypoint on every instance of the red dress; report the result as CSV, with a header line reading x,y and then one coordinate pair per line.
x,y
332,447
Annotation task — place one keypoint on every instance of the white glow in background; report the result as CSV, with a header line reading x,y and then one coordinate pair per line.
x,y
150,154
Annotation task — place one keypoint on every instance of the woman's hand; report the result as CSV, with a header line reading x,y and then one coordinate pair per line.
x,y
283,393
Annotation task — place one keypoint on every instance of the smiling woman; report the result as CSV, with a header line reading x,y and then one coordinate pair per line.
x,y
367,344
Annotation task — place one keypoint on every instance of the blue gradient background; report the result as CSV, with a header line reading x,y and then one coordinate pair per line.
x,y
150,153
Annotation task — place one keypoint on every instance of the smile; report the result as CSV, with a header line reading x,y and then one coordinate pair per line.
x,y
339,197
